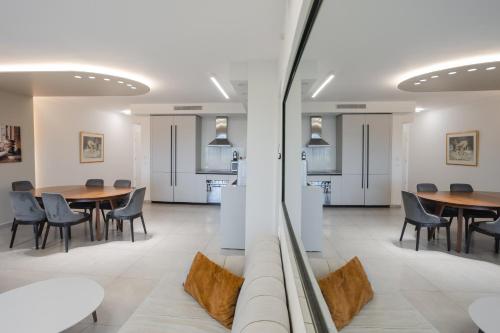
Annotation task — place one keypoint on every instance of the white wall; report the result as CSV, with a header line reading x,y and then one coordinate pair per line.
x,y
427,143
16,110
262,142
58,122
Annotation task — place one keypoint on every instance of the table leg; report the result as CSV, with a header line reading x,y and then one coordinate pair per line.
x,y
98,235
460,221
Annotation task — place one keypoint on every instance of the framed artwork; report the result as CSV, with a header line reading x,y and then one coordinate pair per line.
x,y
462,148
91,147
10,144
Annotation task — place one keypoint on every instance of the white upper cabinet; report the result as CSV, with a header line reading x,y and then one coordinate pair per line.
x,y
379,129
186,138
353,128
161,143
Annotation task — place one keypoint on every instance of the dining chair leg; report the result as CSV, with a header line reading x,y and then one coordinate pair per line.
x,y
106,225
103,215
69,232
466,225
66,237
13,224
132,229
402,232
94,316
448,237
61,232
468,240
14,231
497,245
91,229
143,224
35,232
429,233
40,229
418,238
46,234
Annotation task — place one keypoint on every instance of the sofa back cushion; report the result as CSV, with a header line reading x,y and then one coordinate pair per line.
x,y
262,306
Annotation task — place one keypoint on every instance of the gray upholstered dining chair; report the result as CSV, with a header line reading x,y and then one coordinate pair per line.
x,y
131,211
448,212
106,205
472,214
59,214
487,228
90,206
27,211
417,216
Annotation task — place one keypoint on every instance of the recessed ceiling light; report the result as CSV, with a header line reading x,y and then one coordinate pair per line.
x,y
434,76
419,109
452,73
91,77
120,82
472,70
126,112
323,85
217,84
416,83
77,77
129,85
133,88
490,68
423,80
106,79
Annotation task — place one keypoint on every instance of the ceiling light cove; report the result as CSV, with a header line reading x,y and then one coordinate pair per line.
x,y
323,85
468,77
217,84
67,79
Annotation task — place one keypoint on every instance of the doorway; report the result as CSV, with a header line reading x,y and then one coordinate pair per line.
x,y
137,155
405,155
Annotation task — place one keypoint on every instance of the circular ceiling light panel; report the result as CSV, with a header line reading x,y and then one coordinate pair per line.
x,y
69,80
470,77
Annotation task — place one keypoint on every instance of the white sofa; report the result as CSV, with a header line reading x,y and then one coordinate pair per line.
x,y
261,305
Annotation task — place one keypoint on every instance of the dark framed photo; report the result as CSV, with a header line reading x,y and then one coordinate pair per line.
x,y
462,148
91,147
10,144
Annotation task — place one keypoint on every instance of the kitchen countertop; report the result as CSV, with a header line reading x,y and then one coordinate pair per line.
x,y
215,172
324,173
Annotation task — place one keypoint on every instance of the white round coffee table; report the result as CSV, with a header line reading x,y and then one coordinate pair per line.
x,y
49,306
485,313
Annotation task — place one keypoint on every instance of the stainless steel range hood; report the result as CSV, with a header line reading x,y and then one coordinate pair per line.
x,y
220,133
316,140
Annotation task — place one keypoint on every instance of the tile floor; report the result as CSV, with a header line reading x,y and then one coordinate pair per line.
x,y
127,271
439,284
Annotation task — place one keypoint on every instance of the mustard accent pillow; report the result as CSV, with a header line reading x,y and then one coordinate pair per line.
x,y
346,291
214,288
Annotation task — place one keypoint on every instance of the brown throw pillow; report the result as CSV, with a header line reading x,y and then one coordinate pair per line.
x,y
346,291
214,288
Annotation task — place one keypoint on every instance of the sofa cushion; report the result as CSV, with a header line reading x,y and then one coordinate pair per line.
x,y
346,291
214,288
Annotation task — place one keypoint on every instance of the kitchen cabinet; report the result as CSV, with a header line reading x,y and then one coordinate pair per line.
x,y
365,158
175,147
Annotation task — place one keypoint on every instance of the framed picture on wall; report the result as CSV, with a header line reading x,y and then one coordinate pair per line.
x,y
462,148
91,147
10,144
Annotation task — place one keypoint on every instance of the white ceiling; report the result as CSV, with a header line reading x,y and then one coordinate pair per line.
x,y
371,45
174,45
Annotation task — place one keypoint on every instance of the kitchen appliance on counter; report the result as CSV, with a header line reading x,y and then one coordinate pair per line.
x,y
214,187
234,161
326,187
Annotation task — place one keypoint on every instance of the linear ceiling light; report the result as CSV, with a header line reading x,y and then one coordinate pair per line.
x,y
323,85
217,84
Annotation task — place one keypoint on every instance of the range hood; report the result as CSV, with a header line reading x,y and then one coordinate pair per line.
x,y
316,140
220,133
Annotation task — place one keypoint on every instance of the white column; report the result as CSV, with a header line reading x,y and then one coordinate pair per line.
x,y
263,134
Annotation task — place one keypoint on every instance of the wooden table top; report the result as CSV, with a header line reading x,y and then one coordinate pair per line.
x,y
82,192
464,199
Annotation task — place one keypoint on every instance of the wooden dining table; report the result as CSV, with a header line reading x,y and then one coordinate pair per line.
x,y
461,201
82,193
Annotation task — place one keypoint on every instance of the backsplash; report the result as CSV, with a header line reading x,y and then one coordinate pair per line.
x,y
219,158
319,159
